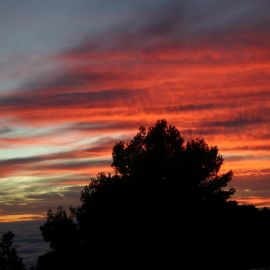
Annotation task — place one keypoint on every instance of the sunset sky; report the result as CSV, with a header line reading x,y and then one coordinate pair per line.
x,y
78,75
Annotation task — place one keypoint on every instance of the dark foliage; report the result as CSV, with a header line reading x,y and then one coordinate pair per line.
x,y
165,206
58,229
159,158
9,259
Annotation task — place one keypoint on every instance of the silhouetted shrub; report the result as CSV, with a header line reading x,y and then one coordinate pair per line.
x,y
9,259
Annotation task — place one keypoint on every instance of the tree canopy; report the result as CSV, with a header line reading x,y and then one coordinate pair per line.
x,y
158,179
159,156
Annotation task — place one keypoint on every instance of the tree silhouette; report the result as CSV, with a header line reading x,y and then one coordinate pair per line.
x,y
164,193
9,259
59,230
160,157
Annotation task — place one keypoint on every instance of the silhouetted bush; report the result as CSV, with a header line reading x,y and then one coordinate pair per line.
x,y
9,259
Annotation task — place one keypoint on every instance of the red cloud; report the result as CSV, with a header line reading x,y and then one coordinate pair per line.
x,y
209,80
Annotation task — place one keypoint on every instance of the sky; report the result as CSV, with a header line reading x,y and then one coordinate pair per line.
x,y
76,76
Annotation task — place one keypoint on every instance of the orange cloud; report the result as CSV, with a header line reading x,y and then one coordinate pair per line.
x,y
21,217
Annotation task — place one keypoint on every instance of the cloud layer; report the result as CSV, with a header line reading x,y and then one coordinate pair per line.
x,y
205,67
